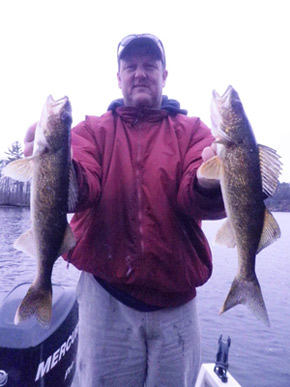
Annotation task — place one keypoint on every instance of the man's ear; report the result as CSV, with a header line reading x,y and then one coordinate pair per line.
x,y
119,79
164,77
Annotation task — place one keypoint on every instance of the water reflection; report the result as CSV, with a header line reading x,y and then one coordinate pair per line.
x,y
259,356
15,266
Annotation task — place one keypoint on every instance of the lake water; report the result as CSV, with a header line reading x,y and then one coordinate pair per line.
x,y
259,356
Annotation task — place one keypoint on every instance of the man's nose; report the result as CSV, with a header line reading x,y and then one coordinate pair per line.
x,y
140,72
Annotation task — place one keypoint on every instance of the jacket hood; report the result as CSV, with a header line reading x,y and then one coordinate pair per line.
x,y
170,105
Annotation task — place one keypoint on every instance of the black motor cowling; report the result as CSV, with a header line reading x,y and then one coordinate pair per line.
x,y
32,355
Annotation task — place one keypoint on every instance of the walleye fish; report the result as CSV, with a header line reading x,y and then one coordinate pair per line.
x,y
53,194
248,173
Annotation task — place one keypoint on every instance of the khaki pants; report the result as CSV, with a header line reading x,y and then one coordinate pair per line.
x,y
122,347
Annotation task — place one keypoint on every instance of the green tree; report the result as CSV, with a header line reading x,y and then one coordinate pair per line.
x,y
14,189
281,199
15,151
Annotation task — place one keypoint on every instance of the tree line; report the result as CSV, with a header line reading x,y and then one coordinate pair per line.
x,y
280,202
17,193
13,192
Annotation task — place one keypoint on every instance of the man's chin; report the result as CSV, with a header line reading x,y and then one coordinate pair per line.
x,y
142,101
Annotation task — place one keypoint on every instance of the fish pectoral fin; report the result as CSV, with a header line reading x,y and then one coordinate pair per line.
x,y
73,190
211,168
248,293
271,231
25,243
270,167
69,240
223,138
225,235
37,302
20,169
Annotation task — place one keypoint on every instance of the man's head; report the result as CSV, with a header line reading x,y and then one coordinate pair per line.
x,y
142,73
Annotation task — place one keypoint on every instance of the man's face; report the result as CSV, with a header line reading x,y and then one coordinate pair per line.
x,y
141,80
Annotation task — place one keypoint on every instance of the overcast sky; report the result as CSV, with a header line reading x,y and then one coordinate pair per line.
x,y
67,47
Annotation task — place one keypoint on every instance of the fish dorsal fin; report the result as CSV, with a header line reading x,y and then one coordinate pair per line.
x,y
25,243
225,235
69,240
73,190
20,169
211,168
270,166
271,231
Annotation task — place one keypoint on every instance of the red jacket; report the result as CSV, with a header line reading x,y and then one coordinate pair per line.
x,y
138,218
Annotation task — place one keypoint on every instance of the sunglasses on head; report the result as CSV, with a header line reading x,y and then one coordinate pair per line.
x,y
127,39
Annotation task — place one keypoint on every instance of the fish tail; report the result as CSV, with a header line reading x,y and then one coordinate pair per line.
x,y
37,302
247,292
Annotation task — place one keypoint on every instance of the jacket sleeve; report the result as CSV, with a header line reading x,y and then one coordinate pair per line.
x,y
86,158
197,202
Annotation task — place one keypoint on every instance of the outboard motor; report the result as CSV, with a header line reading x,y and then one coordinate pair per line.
x,y
32,355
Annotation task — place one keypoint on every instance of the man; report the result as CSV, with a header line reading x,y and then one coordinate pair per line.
x,y
137,224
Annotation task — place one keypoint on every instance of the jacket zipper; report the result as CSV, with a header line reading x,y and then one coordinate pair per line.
x,y
139,185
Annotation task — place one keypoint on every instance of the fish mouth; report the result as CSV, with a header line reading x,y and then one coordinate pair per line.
x,y
55,106
225,98
227,115
220,105
56,118
60,107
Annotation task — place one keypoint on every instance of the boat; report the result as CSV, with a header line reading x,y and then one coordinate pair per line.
x,y
207,377
216,374
33,355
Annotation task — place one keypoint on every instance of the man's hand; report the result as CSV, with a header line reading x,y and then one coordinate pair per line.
x,y
207,153
29,140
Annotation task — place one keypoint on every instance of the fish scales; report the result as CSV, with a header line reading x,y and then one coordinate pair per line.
x,y
50,196
247,172
53,194
244,204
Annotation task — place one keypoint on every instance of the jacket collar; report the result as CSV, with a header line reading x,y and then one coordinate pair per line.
x,y
170,106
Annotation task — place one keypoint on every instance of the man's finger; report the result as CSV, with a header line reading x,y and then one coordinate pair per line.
x,y
30,134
